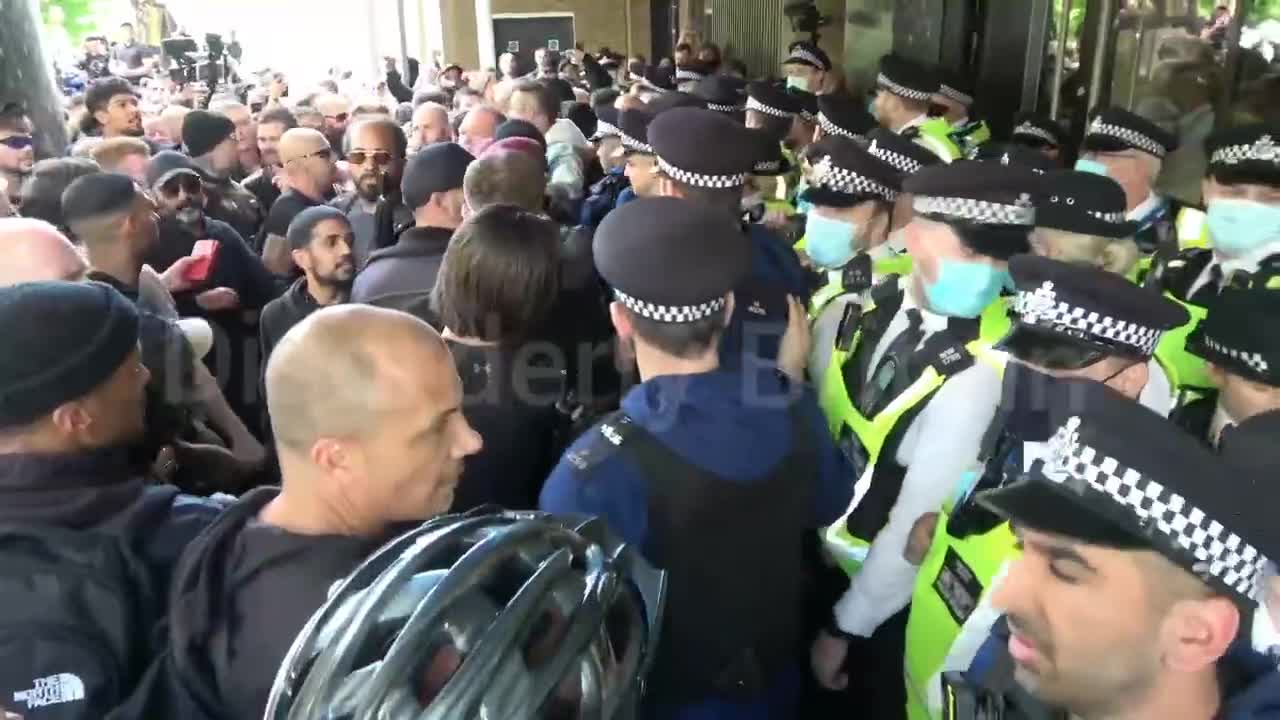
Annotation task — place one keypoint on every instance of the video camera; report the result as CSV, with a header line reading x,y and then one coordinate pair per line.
x,y
805,18
190,65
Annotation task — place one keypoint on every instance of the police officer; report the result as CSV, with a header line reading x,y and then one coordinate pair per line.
x,y
1013,154
636,154
904,90
907,158
908,394
1039,132
1141,559
843,115
779,114
724,94
1239,342
706,158
806,68
1075,322
955,94
698,455
1130,149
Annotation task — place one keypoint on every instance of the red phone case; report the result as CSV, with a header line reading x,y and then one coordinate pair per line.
x,y
205,252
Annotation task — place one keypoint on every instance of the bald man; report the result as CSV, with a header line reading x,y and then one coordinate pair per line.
x,y
430,126
35,251
336,110
505,177
171,124
365,404
307,162
478,128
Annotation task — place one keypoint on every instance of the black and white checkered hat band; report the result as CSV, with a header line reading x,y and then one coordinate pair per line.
x,y
804,56
700,180
688,75
726,108
1264,150
1128,136
848,182
754,104
670,313
631,143
977,211
604,130
900,162
1108,217
1043,308
1254,361
1219,553
831,128
885,83
956,95
1034,131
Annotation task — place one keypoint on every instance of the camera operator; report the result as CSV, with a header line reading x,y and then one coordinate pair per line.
x,y
130,59
96,62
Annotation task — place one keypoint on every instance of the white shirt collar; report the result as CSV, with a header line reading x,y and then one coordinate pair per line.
x,y
1145,207
933,322
917,121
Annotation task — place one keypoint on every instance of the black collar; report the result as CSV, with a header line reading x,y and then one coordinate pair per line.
x,y
416,242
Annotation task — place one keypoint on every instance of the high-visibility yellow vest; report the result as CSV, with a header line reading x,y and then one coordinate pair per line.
x,y
1193,229
835,288
935,134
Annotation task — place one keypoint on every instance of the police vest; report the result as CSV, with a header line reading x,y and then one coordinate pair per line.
x,y
971,136
935,134
857,277
1193,229
865,441
1174,277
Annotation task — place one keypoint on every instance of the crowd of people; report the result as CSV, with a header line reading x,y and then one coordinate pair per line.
x,y
625,390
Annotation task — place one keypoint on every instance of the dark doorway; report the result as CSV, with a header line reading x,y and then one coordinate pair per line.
x,y
523,35
663,17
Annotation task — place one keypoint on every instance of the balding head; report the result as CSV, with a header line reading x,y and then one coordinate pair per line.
x,y
431,125
479,128
35,251
506,177
365,406
171,122
336,110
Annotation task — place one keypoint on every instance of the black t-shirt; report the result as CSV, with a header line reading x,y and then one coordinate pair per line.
x,y
132,55
285,209
512,405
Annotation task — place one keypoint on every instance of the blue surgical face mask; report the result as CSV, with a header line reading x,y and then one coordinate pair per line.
x,y
804,207
964,288
1238,226
829,242
798,82
1091,166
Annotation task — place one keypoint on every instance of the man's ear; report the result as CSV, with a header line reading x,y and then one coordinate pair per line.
x,y
1197,633
621,319
301,258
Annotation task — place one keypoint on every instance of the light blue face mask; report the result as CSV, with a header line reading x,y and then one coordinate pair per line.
x,y
798,82
1238,226
1091,166
871,109
964,289
804,207
829,242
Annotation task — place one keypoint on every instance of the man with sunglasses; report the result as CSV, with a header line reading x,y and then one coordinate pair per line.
x,y
375,160
17,153
336,110
307,162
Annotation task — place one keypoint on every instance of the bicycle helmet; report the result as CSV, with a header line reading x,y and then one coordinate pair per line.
x,y
512,615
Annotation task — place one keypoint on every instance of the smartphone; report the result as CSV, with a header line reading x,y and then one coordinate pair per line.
x,y
206,253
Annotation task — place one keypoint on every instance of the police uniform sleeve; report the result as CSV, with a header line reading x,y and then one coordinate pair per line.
x,y
825,329
607,487
941,443
835,473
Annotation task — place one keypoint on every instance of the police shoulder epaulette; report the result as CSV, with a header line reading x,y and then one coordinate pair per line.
x,y
946,353
602,441
1176,273
1267,276
857,274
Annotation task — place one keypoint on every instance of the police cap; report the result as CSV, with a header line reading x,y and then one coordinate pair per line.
x,y
846,174
671,100
955,86
1037,131
1089,307
703,148
843,115
723,93
907,78
1119,475
806,53
674,261
606,123
1015,154
1117,129
770,99
1245,155
907,156
1240,335
692,72
770,160
975,193
633,130
1084,203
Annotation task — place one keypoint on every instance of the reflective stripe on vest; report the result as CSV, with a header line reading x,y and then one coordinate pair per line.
x,y
935,134
956,567
1193,229
899,265
849,551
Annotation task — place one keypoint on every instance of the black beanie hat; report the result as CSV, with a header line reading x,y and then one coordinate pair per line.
x,y
435,168
299,232
85,332
519,128
203,130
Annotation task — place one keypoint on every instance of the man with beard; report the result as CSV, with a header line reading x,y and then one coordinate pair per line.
x,y
336,110
366,409
246,134
322,241
272,125
17,153
212,141
431,125
403,276
309,170
236,286
376,162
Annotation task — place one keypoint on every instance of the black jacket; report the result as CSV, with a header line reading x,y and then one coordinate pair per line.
x,y
101,490
236,267
403,275
282,314
241,593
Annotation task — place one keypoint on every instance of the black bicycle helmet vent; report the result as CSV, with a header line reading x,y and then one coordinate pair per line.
x,y
511,615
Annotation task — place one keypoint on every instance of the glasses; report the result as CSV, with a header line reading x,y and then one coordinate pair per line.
x,y
189,184
17,142
340,117
322,153
379,157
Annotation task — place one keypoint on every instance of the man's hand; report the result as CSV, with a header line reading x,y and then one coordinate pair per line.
x,y
920,538
827,660
219,298
793,355
175,278
276,255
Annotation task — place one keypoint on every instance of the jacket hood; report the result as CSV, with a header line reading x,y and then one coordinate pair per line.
x,y
564,131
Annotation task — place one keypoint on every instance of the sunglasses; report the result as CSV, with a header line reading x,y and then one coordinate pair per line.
x,y
189,184
323,153
380,157
17,142
340,117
